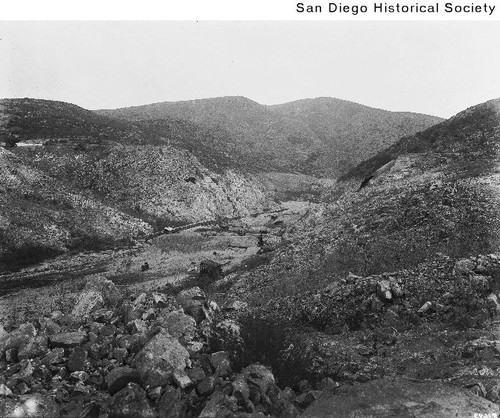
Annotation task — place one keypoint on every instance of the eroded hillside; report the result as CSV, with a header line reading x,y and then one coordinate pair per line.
x,y
39,217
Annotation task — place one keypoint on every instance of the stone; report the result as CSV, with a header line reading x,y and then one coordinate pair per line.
x,y
77,359
178,324
48,326
108,330
206,386
17,338
120,377
159,358
398,397
137,326
36,347
88,302
79,376
384,290
67,339
425,307
11,355
229,330
396,290
308,398
110,293
160,300
4,390
102,315
33,405
181,379
464,266
171,404
234,305
120,354
241,391
194,301
221,363
259,379
149,314
493,300
130,402
215,407
196,374
154,393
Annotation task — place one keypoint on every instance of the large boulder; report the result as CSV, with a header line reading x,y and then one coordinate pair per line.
x,y
260,379
67,339
397,397
18,338
98,293
120,377
32,406
171,404
130,402
194,302
178,324
159,358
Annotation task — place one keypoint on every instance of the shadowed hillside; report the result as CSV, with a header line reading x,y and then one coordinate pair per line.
x,y
40,217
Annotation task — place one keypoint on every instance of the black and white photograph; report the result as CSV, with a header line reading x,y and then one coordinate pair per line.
x,y
250,218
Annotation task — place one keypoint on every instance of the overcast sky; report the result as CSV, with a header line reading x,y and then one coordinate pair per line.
x,y
438,68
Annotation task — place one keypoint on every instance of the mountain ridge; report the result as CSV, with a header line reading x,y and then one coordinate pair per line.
x,y
284,140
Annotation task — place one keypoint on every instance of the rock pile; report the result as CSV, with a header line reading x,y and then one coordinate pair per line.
x,y
145,356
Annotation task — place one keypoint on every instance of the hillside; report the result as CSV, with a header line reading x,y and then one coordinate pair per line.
x,y
440,197
397,282
322,137
39,217
351,132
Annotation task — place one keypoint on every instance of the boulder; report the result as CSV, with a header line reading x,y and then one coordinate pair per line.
x,y
159,358
67,339
384,290
398,397
35,347
98,293
54,356
77,360
221,363
171,404
18,338
120,377
137,326
260,379
181,379
33,405
464,266
89,301
178,324
206,386
130,402
194,303
241,391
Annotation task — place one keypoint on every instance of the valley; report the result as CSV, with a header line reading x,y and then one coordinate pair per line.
x,y
218,257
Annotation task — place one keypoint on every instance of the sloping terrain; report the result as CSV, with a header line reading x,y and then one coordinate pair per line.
x,y
398,278
149,171
350,132
39,217
324,136
439,197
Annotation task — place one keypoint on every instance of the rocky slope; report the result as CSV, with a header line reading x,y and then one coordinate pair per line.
x,y
399,278
123,173
322,136
39,217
